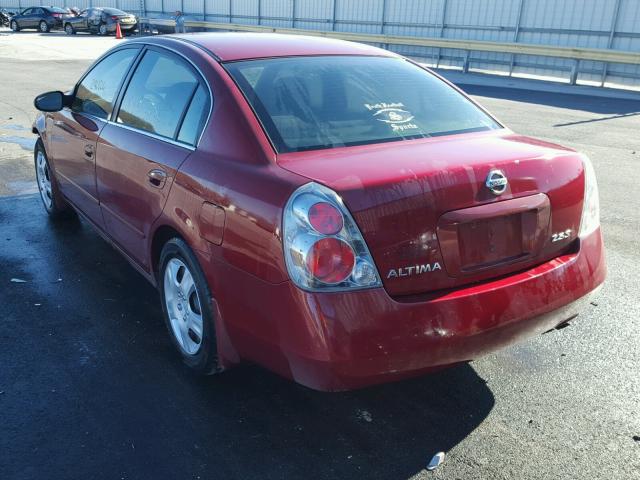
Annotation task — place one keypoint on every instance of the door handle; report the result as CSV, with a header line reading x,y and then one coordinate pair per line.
x,y
89,150
157,178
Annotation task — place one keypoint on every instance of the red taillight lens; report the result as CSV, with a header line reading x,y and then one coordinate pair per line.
x,y
114,18
330,260
325,218
56,15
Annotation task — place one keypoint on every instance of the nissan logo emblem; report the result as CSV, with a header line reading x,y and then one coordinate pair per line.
x,y
496,182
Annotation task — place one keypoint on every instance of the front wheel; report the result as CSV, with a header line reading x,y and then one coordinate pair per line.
x,y
187,307
44,27
68,29
14,26
49,194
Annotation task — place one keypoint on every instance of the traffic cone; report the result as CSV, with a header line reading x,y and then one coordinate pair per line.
x,y
118,32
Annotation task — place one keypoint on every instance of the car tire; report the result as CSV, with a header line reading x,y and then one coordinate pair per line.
x,y
14,26
187,307
102,29
69,30
44,27
50,195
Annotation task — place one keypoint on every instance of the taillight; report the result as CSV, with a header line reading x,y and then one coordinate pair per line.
x,y
590,220
325,218
330,260
324,250
114,17
56,15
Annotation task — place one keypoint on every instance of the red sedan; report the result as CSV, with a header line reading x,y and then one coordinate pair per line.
x,y
329,210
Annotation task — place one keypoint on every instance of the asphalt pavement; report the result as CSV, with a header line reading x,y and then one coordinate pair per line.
x,y
90,387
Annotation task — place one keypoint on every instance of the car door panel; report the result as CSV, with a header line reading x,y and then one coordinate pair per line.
x,y
134,173
73,143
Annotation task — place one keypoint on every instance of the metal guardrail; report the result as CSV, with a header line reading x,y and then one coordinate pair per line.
x,y
574,53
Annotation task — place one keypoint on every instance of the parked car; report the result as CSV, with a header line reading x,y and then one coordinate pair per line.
x,y
43,19
102,21
332,211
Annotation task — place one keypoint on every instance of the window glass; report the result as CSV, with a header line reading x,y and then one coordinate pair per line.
x,y
195,117
308,103
97,91
158,94
27,11
113,11
58,10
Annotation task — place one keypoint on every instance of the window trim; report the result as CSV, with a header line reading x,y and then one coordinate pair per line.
x,y
199,77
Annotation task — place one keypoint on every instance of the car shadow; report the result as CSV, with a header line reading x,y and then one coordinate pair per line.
x,y
107,397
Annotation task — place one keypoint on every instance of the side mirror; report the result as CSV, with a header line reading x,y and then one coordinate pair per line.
x,y
50,101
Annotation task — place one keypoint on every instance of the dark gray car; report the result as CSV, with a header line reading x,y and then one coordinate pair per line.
x,y
102,21
43,19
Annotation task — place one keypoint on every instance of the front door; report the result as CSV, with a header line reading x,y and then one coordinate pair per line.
x,y
139,154
75,131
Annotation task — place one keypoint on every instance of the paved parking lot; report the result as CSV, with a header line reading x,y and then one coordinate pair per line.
x,y
90,386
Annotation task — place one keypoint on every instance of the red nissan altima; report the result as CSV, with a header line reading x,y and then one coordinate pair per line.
x,y
329,210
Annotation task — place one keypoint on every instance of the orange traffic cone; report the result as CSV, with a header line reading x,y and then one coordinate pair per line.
x,y
118,32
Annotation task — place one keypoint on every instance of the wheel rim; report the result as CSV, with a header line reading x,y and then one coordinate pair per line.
x,y
43,27
68,29
183,306
44,179
14,26
103,29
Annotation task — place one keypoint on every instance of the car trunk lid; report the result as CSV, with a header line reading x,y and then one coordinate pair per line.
x,y
428,216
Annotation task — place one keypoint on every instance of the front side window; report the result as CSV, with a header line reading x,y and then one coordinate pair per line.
x,y
160,90
309,103
97,91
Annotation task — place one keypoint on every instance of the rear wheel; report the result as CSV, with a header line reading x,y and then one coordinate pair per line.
x,y
47,185
187,306
69,29
102,29
14,26
44,27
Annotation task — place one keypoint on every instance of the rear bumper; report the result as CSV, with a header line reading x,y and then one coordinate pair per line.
x,y
339,341
125,27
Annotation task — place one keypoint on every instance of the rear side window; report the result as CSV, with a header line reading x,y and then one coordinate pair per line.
x,y
157,96
97,91
195,117
309,103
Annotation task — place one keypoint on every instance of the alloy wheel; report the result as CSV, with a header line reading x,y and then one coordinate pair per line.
x,y
183,306
14,26
44,28
44,180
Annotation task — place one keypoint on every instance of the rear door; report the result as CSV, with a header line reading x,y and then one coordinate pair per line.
x,y
139,153
75,130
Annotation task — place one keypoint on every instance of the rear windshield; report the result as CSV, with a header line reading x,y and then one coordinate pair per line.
x,y
114,11
57,10
310,103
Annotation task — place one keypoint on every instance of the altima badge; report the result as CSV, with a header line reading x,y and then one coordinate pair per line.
x,y
414,270
496,182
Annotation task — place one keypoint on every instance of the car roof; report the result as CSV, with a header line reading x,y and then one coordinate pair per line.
x,y
230,46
